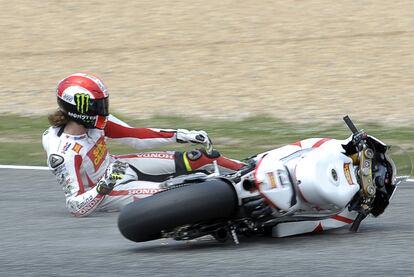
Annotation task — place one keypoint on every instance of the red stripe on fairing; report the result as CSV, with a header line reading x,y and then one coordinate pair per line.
x,y
342,219
318,228
256,182
320,142
78,163
113,130
298,143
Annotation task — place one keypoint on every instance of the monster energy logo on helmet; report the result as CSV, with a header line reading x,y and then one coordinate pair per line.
x,y
82,102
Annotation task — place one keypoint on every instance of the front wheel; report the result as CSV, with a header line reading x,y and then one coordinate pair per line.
x,y
198,202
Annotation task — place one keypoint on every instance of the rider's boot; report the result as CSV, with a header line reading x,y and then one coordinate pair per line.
x,y
199,160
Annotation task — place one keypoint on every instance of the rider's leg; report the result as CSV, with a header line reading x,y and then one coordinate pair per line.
x,y
147,170
159,166
151,166
199,160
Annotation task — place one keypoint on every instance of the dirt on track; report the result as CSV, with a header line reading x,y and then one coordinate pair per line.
x,y
295,60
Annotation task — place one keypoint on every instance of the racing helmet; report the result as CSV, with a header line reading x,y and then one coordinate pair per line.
x,y
83,98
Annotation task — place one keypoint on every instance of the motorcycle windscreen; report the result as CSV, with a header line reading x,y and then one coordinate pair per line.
x,y
399,168
402,163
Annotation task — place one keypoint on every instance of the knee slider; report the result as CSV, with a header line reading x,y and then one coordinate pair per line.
x,y
194,155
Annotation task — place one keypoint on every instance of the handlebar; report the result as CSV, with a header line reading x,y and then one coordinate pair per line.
x,y
358,135
350,125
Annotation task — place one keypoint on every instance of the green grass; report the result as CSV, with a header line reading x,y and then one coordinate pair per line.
x,y
20,137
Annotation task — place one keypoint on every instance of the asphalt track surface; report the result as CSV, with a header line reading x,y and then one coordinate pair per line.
x,y
39,238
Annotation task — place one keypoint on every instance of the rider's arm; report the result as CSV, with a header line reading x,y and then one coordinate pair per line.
x,y
138,138
78,201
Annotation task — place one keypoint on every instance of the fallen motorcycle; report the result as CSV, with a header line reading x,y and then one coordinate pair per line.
x,y
309,186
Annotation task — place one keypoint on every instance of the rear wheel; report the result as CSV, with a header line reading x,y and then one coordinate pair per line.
x,y
199,202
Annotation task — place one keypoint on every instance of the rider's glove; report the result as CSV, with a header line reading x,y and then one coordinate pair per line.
x,y
193,136
114,172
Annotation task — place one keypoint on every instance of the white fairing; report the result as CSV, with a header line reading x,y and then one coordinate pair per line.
x,y
326,178
323,177
273,180
324,183
299,227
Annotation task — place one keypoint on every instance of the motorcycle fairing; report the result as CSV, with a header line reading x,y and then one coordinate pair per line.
x,y
311,167
326,177
274,183
301,227
282,161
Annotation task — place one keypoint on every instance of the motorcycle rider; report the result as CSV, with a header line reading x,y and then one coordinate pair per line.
x,y
91,178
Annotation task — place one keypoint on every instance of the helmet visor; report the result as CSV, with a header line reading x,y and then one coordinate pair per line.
x,y
99,107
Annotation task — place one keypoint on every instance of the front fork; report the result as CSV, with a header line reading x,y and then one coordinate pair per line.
x,y
368,190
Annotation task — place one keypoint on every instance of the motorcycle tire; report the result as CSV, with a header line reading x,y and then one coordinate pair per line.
x,y
193,203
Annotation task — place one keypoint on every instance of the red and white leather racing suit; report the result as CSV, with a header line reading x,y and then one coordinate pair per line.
x,y
80,161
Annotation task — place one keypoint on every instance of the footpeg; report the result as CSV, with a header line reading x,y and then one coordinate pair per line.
x,y
234,235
